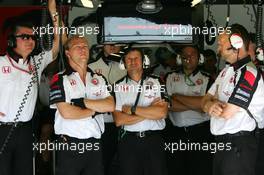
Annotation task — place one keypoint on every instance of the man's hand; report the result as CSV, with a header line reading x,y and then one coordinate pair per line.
x,y
215,108
158,101
78,102
52,6
2,114
126,109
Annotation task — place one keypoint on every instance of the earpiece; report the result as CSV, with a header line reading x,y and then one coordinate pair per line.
x,y
11,41
146,63
122,65
236,41
179,61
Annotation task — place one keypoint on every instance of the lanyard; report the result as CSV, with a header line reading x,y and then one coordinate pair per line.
x,y
29,71
188,80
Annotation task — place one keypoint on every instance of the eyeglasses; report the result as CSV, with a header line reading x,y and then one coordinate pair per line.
x,y
26,37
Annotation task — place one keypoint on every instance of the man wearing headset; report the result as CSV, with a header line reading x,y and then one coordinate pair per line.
x,y
16,110
140,110
190,125
235,105
111,71
80,97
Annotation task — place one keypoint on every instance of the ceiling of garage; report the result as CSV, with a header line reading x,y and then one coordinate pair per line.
x,y
37,2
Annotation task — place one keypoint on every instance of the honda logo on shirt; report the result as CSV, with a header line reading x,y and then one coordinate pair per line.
x,y
72,82
6,69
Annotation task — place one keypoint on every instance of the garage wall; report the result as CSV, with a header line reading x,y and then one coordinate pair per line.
x,y
77,11
238,14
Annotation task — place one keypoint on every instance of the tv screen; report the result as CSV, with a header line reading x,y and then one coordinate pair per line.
x,y
139,30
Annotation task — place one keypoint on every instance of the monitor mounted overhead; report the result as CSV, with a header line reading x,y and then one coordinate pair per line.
x,y
125,25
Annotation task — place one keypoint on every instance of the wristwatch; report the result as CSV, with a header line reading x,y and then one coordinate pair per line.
x,y
133,110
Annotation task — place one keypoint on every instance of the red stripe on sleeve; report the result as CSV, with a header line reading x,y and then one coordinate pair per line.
x,y
250,78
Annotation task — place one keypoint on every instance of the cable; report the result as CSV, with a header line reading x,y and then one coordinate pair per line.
x,y
228,13
34,78
209,25
250,14
44,17
110,71
254,8
259,39
98,125
61,60
211,16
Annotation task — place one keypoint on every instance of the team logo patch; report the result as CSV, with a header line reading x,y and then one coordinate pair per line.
x,y
95,81
199,81
227,93
231,80
223,74
149,85
125,88
6,69
72,82
98,93
99,71
177,78
31,68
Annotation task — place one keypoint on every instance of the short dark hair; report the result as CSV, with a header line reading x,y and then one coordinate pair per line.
x,y
192,46
14,26
132,50
209,53
242,31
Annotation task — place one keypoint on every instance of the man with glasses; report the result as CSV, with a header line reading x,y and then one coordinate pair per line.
x,y
190,125
18,84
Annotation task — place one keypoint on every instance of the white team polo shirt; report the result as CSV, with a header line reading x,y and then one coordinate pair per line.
x,y
112,73
161,71
14,80
195,85
69,85
247,92
126,94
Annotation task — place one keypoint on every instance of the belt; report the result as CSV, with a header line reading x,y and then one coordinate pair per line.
x,y
12,123
238,134
192,127
142,134
66,138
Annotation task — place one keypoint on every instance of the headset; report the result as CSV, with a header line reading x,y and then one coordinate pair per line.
x,y
201,58
145,61
12,43
236,41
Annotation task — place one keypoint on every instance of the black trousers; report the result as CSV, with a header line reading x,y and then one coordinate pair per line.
x,y
240,160
80,157
192,160
109,147
142,156
260,155
17,157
